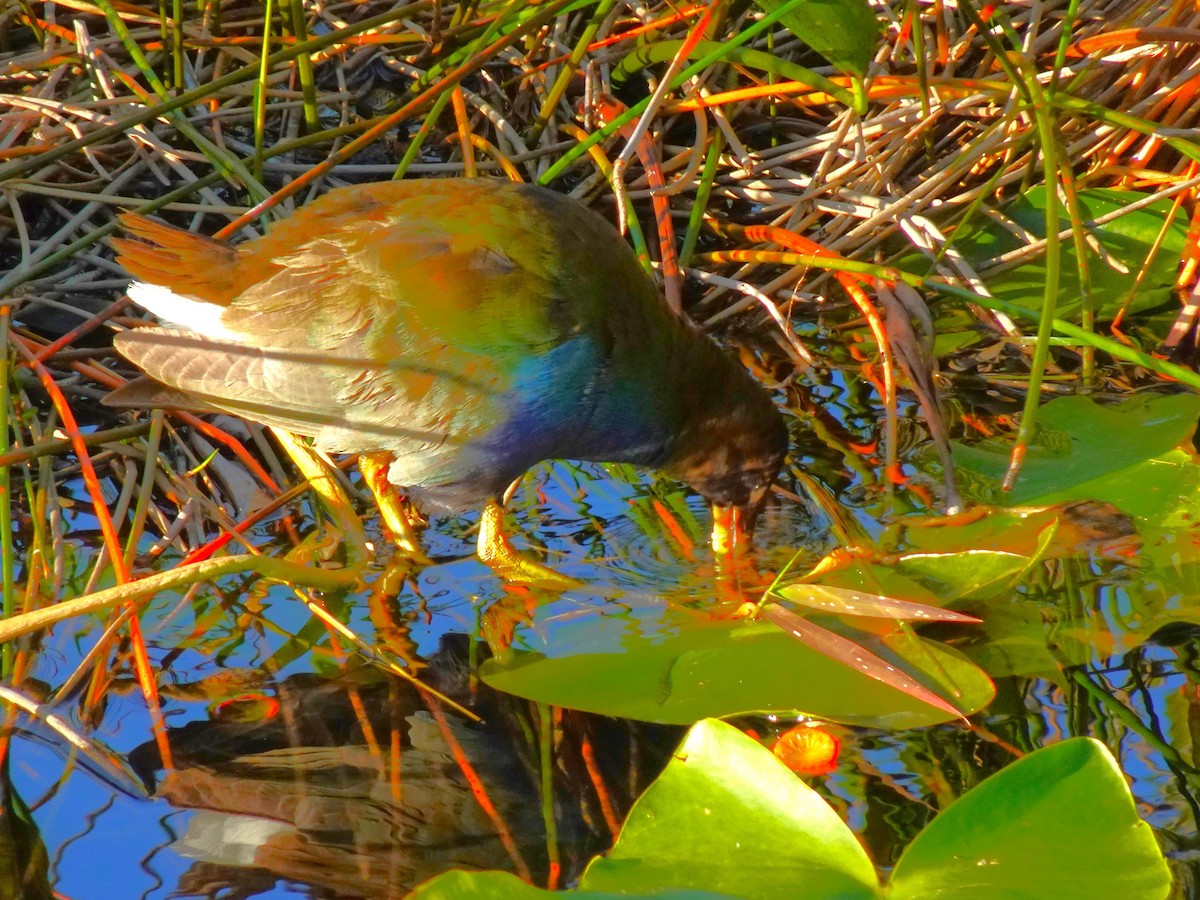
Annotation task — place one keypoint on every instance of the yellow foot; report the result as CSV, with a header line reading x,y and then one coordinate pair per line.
x,y
506,561
729,537
399,517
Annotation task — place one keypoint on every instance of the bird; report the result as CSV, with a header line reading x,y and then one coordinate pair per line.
x,y
454,333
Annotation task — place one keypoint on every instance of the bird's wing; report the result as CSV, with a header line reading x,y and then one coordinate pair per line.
x,y
282,389
369,320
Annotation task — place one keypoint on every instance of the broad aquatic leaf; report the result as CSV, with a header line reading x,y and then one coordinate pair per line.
x,y
481,885
1163,491
975,574
1128,241
845,32
727,819
727,816
1013,641
677,666
1059,823
860,587
1078,441
1028,532
457,884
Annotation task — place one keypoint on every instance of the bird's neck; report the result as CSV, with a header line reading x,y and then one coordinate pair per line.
x,y
717,395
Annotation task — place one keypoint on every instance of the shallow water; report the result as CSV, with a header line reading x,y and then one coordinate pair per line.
x,y
300,771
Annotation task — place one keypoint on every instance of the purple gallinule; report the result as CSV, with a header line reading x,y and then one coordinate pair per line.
x,y
455,332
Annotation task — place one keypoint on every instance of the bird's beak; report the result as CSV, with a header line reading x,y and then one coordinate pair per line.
x,y
733,525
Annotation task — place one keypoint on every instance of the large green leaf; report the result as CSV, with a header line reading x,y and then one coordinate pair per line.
x,y
677,667
1059,823
845,32
457,885
727,816
970,572
1127,241
1163,490
1078,442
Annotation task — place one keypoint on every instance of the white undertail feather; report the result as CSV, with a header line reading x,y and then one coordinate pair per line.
x,y
179,309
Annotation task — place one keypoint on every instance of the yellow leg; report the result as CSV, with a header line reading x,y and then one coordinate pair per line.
x,y
337,504
506,561
729,538
736,571
398,515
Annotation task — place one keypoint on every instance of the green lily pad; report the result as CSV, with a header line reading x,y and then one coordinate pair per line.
x,y
726,816
678,667
729,816
1128,241
973,574
1016,637
457,884
1059,823
1034,532
1079,443
1164,490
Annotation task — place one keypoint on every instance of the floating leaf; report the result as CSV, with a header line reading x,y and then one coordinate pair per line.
x,y
1023,533
848,602
852,655
726,815
678,666
1127,242
456,885
1078,441
1163,491
1059,823
728,819
967,573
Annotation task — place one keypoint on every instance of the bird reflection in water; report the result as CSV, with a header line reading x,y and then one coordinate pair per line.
x,y
357,786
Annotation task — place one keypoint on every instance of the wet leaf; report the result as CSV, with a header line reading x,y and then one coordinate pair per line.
x,y
1088,450
1059,823
729,816
968,573
1024,637
952,550
852,655
845,32
1163,491
849,602
1127,242
680,666
456,885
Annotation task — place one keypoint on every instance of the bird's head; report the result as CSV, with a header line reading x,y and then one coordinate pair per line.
x,y
732,462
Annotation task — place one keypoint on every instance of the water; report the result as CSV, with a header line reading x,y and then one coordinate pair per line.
x,y
303,771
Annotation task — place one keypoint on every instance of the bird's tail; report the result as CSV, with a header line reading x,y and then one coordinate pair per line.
x,y
180,261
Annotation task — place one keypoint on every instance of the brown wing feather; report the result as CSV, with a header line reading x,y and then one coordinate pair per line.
x,y
146,393
294,391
